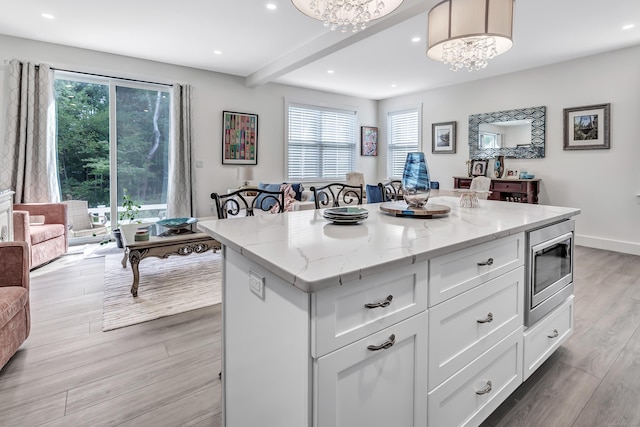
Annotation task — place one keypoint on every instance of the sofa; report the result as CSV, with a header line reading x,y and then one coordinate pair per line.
x,y
43,226
15,317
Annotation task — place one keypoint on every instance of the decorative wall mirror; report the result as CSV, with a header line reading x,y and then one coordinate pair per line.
x,y
514,134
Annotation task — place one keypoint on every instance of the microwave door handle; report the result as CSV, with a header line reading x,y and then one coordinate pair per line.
x,y
551,242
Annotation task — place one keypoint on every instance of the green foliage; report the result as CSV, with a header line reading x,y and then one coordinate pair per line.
x,y
131,208
83,134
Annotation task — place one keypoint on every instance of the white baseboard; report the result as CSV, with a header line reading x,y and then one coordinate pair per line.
x,y
608,244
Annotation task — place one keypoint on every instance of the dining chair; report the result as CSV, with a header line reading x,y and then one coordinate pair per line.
x,y
392,190
481,185
336,194
246,201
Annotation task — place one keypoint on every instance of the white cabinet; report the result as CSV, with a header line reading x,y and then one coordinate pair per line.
x,y
436,343
470,395
343,314
456,272
467,325
379,380
6,216
549,333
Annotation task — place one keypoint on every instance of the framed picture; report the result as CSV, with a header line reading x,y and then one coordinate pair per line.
x,y
479,167
512,173
586,128
368,141
443,138
239,138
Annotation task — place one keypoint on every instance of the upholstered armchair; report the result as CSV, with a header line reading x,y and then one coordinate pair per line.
x,y
15,317
47,237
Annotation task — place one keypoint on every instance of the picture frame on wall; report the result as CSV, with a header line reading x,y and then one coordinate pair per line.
x,y
479,167
239,138
587,128
443,138
368,141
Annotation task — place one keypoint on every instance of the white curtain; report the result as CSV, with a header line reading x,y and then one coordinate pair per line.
x,y
179,190
28,161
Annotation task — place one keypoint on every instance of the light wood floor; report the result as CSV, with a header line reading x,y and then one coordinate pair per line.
x,y
165,372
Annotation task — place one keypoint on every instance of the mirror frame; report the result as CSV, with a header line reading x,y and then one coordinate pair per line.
x,y
535,149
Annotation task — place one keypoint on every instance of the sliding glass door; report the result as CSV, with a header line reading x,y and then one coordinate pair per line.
x,y
112,138
142,141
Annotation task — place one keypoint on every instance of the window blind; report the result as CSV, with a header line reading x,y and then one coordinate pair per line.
x,y
403,137
321,143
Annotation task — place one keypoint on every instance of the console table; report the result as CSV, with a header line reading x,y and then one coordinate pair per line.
x,y
506,189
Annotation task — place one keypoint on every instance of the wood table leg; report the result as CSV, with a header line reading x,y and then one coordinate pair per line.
x,y
124,258
134,260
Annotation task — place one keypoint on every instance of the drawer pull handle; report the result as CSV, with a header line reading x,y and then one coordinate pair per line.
x,y
385,345
384,303
487,262
486,389
487,319
554,334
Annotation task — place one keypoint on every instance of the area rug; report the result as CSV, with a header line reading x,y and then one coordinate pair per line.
x,y
167,286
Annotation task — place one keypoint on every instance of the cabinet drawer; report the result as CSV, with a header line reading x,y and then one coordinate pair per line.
x,y
509,186
467,325
454,273
542,339
357,386
456,402
340,315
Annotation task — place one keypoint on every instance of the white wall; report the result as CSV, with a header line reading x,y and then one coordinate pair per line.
x,y
605,184
212,93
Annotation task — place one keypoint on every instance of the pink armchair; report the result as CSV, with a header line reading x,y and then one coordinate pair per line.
x,y
15,317
45,241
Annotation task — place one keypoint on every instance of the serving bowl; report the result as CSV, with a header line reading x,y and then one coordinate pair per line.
x,y
177,223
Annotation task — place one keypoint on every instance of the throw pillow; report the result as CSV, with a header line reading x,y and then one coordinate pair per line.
x,y
289,198
262,201
298,188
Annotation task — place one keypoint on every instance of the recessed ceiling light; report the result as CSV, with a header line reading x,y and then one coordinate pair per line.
x,y
48,16
330,71
217,52
628,27
272,6
415,39
394,85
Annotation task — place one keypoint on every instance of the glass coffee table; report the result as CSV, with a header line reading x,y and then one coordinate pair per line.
x,y
183,243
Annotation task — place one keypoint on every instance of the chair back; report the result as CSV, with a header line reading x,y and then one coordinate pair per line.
x,y
392,190
375,194
246,201
481,185
337,194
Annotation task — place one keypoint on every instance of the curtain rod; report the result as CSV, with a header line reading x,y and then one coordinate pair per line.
x,y
111,77
7,61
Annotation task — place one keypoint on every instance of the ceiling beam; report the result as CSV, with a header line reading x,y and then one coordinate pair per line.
x,y
332,42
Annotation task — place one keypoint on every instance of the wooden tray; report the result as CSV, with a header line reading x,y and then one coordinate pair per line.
x,y
401,209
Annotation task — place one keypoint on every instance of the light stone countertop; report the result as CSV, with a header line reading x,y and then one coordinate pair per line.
x,y
313,254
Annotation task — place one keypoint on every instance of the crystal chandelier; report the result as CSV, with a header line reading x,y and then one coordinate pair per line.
x,y
468,33
345,13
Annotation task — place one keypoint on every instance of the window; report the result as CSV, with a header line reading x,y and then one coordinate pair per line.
x,y
321,143
490,140
112,135
403,138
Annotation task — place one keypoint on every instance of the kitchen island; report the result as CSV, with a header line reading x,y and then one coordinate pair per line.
x,y
368,324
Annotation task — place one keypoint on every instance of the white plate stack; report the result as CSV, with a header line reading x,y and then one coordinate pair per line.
x,y
346,215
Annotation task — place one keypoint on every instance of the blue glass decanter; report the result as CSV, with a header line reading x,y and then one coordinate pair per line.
x,y
415,181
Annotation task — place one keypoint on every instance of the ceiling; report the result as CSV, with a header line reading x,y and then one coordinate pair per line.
x,y
284,46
